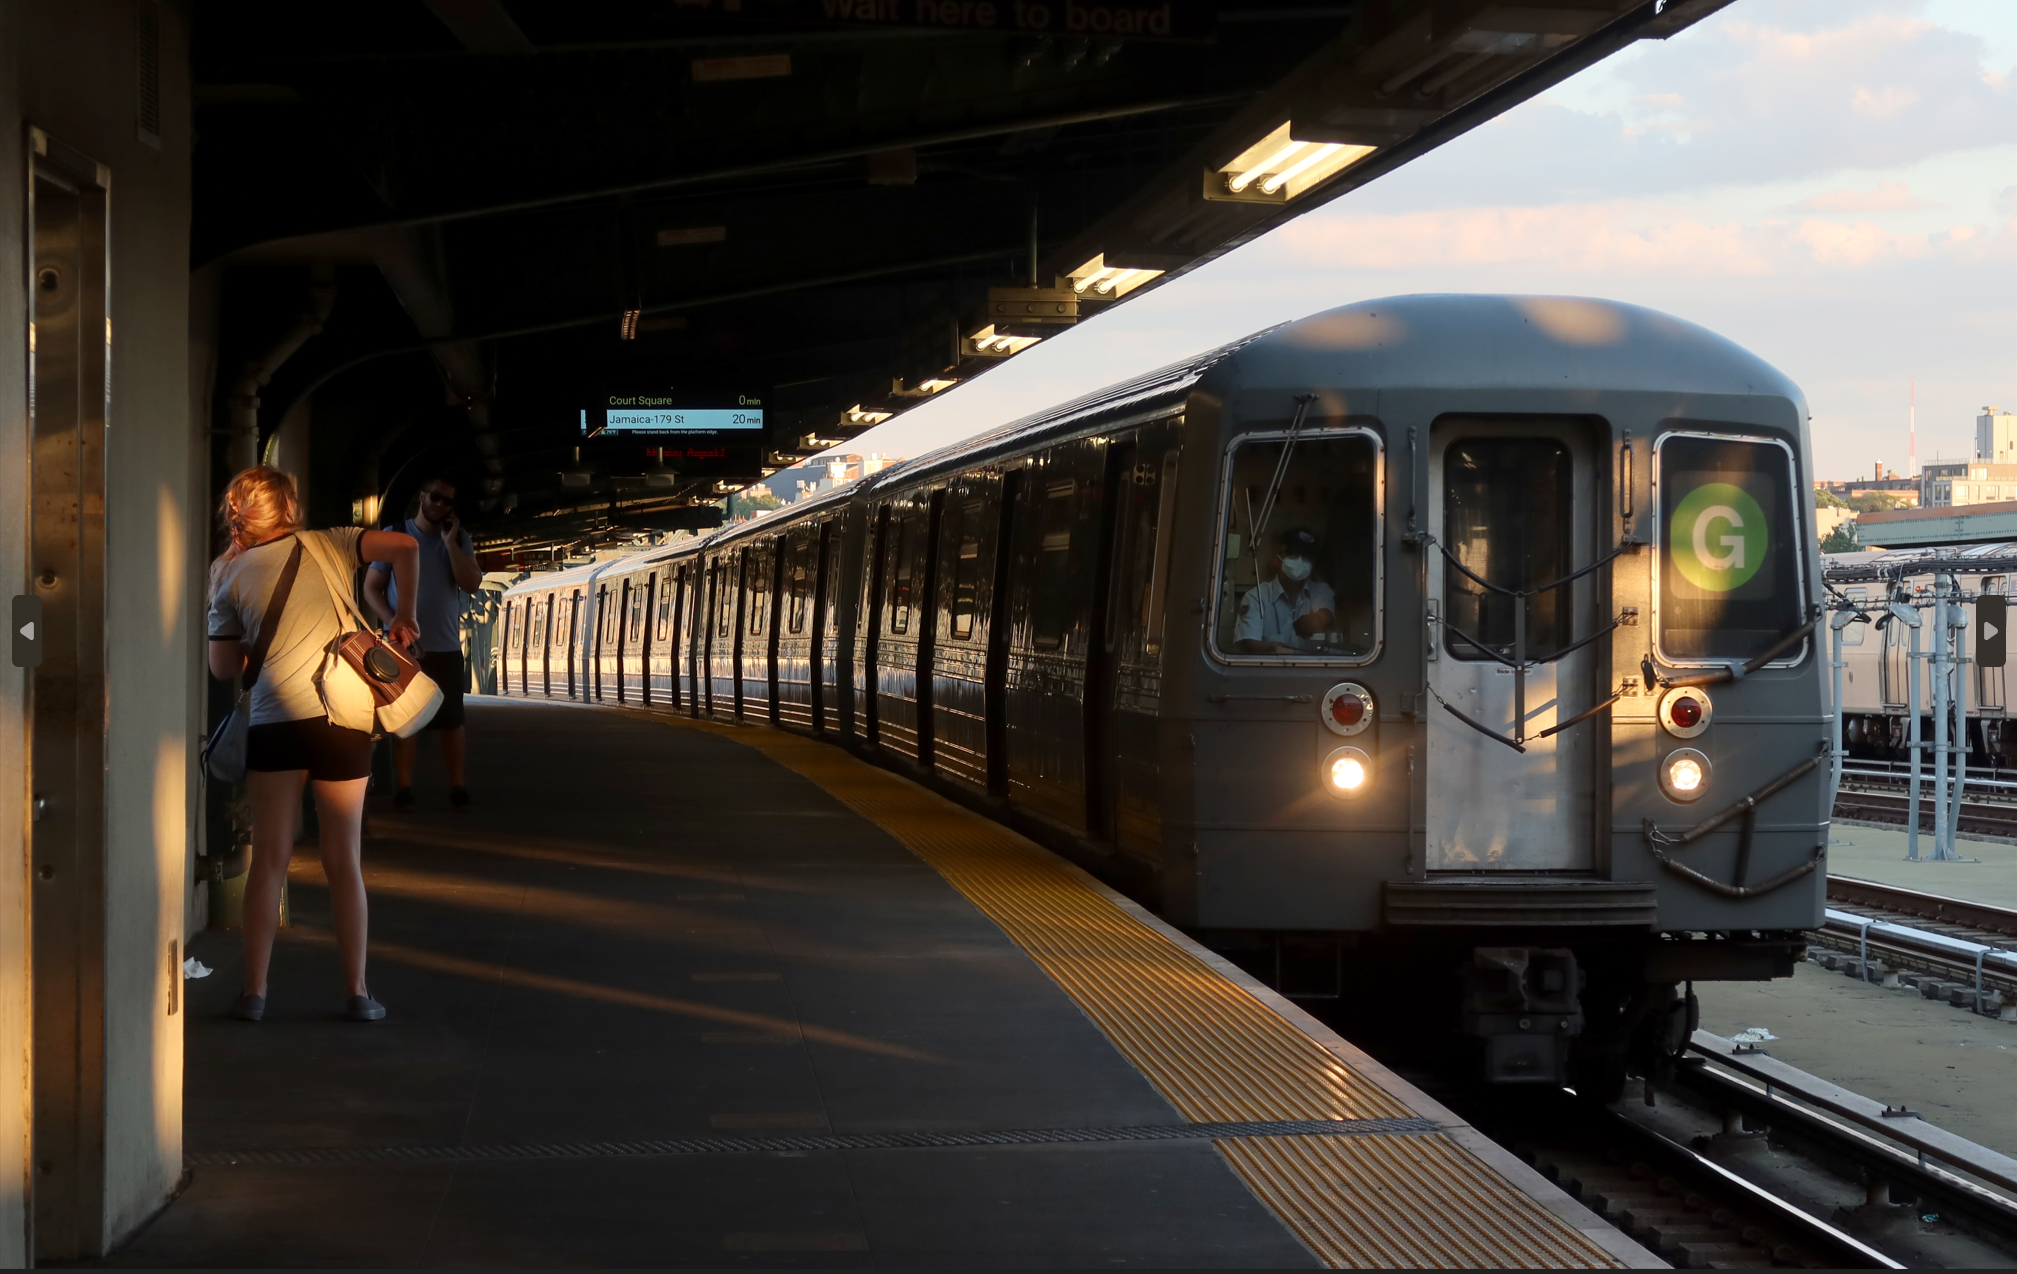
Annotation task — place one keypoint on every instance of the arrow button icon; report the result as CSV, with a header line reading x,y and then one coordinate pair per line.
x,y
27,631
1989,631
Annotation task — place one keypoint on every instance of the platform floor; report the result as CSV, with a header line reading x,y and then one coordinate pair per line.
x,y
680,995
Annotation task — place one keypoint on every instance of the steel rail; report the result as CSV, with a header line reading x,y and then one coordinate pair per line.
x,y
1894,1146
1910,902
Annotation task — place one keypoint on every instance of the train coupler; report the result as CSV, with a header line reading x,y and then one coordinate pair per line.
x,y
1523,1004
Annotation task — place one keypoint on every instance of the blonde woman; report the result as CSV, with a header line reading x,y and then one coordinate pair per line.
x,y
291,739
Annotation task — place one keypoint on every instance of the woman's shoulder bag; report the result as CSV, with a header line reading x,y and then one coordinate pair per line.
x,y
224,751
367,683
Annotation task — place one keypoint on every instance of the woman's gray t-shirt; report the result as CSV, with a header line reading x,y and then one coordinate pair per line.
x,y
312,619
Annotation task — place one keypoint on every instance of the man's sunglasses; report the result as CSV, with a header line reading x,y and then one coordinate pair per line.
x,y
437,497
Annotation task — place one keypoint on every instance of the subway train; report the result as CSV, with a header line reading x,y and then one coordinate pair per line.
x,y
1461,642
1877,650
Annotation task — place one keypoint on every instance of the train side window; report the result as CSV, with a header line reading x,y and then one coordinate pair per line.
x,y
636,611
798,578
1052,605
664,604
1729,561
1852,634
900,583
968,517
833,576
724,606
1299,568
759,591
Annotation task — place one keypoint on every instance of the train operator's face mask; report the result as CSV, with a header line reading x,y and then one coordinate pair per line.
x,y
1296,568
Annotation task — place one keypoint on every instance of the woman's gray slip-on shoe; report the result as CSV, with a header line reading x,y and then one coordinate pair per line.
x,y
363,1008
249,1007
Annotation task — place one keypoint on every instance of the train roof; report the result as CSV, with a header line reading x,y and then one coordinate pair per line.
x,y
1472,341
1453,341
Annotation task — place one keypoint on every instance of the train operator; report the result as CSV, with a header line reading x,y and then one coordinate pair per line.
x,y
1284,615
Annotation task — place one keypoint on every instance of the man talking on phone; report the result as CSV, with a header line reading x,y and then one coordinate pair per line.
x,y
448,569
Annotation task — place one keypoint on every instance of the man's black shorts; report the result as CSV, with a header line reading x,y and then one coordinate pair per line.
x,y
445,666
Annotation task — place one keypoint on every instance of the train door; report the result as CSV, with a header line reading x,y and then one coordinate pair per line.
x,y
869,632
963,584
819,659
904,614
1895,671
1514,502
759,575
1051,587
795,637
1127,772
625,608
573,641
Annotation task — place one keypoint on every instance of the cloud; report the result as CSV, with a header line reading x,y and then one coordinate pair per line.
x,y
1766,91
1889,196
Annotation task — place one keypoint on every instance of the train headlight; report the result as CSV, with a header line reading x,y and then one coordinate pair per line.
x,y
1685,774
1347,709
1685,711
1346,773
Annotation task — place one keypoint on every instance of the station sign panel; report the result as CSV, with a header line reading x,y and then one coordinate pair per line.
x,y
675,416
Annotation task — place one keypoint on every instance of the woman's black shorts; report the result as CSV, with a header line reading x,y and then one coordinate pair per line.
x,y
328,752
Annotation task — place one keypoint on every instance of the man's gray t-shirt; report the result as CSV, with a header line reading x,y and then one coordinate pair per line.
x,y
438,609
311,620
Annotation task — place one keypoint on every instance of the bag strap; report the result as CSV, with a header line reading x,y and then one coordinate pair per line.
x,y
340,587
269,622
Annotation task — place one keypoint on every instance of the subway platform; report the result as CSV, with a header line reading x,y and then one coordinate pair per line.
x,y
682,994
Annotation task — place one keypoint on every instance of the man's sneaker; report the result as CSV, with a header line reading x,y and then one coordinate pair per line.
x,y
249,1007
459,798
402,800
362,1008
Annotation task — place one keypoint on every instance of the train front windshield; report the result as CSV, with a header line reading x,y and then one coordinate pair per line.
x,y
1300,575
1729,548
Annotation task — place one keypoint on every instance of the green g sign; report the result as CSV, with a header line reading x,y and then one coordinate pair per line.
x,y
1717,538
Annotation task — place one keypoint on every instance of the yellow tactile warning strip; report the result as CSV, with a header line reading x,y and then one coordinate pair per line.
x,y
1216,1053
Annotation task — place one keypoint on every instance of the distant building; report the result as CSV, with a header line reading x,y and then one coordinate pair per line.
x,y
1996,436
1946,485
1826,519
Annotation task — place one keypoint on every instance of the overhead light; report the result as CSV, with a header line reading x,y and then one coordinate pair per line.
x,y
935,384
627,330
859,415
988,343
813,442
1281,166
728,488
1103,282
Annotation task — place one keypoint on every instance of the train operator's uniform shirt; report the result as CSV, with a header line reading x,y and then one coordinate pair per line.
x,y
438,609
1266,614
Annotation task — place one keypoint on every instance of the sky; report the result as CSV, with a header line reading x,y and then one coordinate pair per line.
x,y
1830,183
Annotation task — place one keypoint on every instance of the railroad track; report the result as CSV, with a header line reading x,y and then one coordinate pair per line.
x,y
1949,949
1978,818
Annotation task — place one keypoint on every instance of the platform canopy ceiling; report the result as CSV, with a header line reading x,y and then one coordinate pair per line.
x,y
757,227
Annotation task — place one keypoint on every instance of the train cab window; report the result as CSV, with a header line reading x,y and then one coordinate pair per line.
x,y
1506,516
1300,554
967,518
1729,561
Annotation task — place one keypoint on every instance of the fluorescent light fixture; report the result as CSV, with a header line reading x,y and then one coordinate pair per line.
x,y
988,343
935,384
1281,166
1103,282
627,329
859,415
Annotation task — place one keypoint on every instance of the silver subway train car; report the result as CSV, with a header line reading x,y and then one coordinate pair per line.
x,y
1472,636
